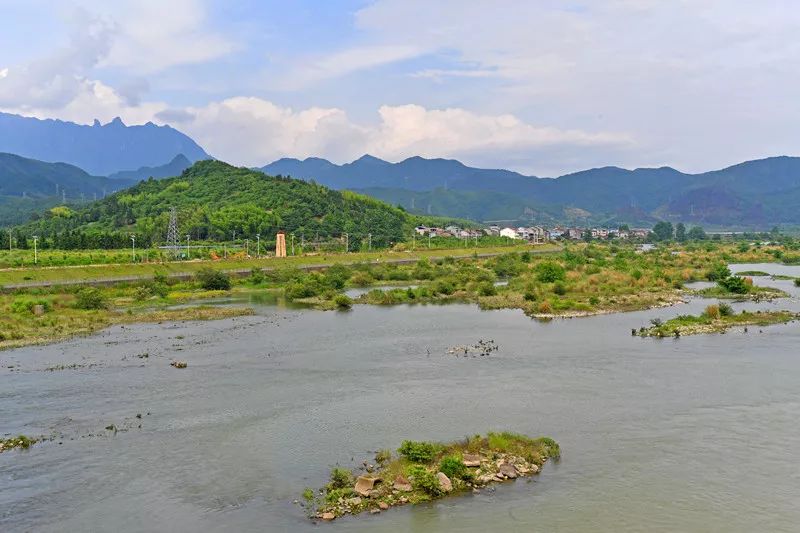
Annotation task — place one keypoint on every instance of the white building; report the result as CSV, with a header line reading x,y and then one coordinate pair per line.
x,y
511,233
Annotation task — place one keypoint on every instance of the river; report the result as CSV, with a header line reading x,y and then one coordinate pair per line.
x,y
692,434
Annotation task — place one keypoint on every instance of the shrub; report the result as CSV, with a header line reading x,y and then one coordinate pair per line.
x,y
419,451
444,286
343,301
712,312
529,295
214,280
301,288
361,279
718,272
425,480
142,293
340,478
545,308
559,288
26,305
549,272
487,289
257,276
797,282
336,276
594,300
90,298
735,284
383,456
725,309
453,467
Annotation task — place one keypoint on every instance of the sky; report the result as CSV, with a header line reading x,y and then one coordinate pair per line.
x,y
542,87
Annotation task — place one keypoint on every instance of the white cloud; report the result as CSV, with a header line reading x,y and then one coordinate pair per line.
x,y
3,72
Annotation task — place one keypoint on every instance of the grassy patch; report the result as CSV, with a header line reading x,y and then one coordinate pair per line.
x,y
715,319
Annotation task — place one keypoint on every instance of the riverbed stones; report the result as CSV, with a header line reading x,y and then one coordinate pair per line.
x,y
328,516
508,471
383,506
444,481
402,484
353,501
365,484
471,461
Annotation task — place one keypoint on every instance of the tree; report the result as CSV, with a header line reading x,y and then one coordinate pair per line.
x,y
697,233
680,232
663,231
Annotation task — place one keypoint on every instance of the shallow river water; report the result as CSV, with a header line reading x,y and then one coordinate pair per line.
x,y
692,434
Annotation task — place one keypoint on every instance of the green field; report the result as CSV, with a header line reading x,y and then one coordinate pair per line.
x,y
131,271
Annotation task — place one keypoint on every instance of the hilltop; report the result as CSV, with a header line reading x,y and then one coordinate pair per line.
x,y
99,149
214,199
755,193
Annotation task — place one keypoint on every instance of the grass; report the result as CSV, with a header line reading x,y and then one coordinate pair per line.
x,y
416,473
20,441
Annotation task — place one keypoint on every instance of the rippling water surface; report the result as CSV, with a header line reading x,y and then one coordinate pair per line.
x,y
691,434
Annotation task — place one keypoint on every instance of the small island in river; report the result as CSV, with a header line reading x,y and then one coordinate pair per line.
x,y
716,318
424,471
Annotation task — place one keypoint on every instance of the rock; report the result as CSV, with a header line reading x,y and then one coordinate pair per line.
x,y
402,484
383,505
353,501
486,478
364,484
476,491
374,510
403,499
178,364
471,460
444,482
374,494
328,516
534,468
509,471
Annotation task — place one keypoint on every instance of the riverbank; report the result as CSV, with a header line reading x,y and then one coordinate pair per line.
x,y
425,471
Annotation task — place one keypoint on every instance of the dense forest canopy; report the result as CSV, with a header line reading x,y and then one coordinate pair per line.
x,y
213,200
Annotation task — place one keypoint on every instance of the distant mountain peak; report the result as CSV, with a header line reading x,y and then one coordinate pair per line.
x,y
371,159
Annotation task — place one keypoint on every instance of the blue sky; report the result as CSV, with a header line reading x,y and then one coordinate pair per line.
x,y
544,87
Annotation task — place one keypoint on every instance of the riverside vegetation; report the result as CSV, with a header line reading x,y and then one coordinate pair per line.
x,y
580,280
717,318
424,471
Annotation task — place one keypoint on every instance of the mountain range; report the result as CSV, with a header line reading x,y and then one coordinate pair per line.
x,y
754,193
99,149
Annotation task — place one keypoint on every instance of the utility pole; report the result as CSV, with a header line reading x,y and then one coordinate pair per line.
x,y
133,247
292,243
9,240
369,240
414,240
346,243
35,250
63,196
247,247
258,245
429,239
188,249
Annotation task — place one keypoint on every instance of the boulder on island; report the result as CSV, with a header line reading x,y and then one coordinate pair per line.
x,y
364,484
444,482
471,460
402,484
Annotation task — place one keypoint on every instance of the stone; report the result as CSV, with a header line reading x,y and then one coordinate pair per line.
x,y
374,510
353,501
383,505
509,471
178,364
402,484
534,468
471,460
444,481
328,516
364,484
374,494
403,499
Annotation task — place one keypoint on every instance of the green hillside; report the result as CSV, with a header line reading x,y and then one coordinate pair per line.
x,y
214,200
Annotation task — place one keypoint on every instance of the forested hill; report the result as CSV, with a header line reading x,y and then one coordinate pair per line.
x,y
214,199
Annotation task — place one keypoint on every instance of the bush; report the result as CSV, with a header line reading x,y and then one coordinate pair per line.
x,y
545,308
361,279
340,478
735,284
419,451
487,289
425,480
797,282
343,301
453,467
90,298
718,272
383,456
550,272
257,276
559,288
336,276
712,312
26,305
214,280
